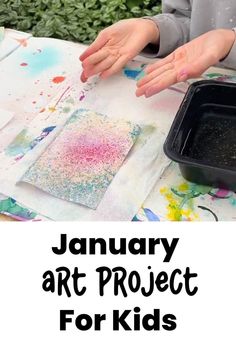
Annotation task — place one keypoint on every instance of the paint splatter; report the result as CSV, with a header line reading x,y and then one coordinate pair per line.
x,y
58,79
181,205
151,216
52,109
66,109
180,201
220,194
220,77
233,201
82,95
134,71
38,62
23,42
82,161
210,211
70,100
136,218
87,88
11,208
146,214
24,64
24,143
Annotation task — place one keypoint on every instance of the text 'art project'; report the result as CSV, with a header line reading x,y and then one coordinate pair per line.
x,y
82,161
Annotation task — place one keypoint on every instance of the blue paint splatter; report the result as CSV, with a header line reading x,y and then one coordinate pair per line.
x,y
150,215
23,143
40,60
134,73
233,201
135,218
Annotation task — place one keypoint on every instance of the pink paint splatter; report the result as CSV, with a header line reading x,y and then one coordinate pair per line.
x,y
24,64
84,158
221,194
93,149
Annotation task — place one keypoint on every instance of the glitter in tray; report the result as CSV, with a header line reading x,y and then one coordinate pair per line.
x,y
82,161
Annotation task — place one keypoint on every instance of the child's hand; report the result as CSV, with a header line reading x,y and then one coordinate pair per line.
x,y
188,61
116,45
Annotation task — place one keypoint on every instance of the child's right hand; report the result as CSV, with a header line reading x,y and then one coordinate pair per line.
x,y
116,45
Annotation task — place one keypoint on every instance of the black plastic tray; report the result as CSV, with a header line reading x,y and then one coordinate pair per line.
x,y
202,138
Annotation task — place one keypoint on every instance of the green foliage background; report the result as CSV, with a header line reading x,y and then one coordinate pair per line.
x,y
76,20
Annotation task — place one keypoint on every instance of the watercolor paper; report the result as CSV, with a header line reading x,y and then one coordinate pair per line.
x,y
2,31
5,117
83,160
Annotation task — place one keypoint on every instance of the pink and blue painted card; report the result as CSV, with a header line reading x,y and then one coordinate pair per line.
x,y
84,158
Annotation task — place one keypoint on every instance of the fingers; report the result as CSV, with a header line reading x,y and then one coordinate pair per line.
x,y
153,79
96,58
100,67
115,68
83,78
95,46
90,64
164,81
159,63
108,67
154,74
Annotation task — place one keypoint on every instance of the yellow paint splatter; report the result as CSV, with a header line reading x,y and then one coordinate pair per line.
x,y
177,212
183,187
52,109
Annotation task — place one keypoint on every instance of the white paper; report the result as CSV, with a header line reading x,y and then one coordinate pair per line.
x,y
5,117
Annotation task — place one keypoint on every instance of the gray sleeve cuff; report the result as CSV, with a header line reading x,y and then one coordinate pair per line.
x,y
230,61
174,32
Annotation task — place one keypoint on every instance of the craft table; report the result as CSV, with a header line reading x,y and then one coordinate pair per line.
x,y
39,84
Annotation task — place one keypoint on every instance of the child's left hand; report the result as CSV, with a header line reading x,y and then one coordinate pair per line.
x,y
188,61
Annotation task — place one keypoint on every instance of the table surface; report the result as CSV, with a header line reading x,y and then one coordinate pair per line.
x,y
172,198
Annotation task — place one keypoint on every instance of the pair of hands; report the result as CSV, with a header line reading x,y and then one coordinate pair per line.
x,y
121,42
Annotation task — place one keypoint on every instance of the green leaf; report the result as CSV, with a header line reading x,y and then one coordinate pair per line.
x,y
79,20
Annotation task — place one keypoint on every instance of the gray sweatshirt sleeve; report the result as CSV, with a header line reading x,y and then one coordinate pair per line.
x,y
230,60
174,27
